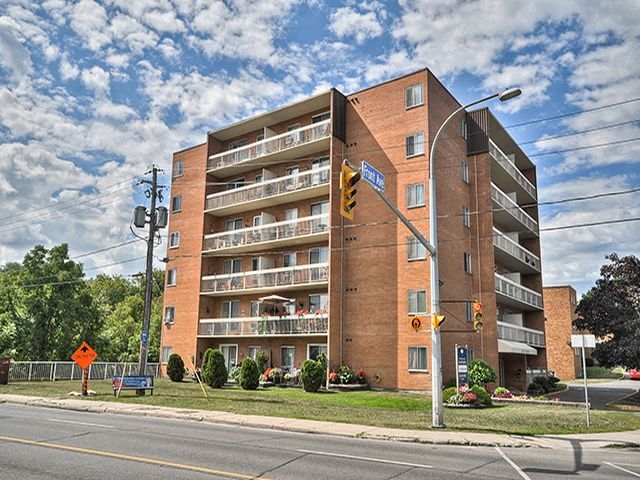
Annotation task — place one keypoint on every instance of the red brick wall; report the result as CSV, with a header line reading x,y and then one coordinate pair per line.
x,y
560,312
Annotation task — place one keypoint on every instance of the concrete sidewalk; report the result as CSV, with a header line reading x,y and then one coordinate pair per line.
x,y
590,441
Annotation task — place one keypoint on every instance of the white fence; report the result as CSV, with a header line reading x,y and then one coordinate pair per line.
x,y
51,371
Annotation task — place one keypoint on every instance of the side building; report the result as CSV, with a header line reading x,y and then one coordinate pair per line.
x,y
261,260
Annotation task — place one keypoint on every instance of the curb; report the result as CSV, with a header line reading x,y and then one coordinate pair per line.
x,y
277,423
613,405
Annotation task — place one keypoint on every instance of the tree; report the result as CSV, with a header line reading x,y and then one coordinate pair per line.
x,y
611,311
175,368
214,369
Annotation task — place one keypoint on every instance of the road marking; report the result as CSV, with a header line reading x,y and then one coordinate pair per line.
x,y
623,469
80,423
512,463
119,456
368,459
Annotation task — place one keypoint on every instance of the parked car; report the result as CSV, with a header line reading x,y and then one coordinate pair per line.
x,y
634,374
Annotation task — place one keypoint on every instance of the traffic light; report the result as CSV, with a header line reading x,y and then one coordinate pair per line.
x,y
477,316
437,320
348,179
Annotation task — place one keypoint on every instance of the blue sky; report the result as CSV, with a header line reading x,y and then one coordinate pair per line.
x,y
94,92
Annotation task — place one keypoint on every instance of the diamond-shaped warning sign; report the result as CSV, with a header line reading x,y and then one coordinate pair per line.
x,y
84,355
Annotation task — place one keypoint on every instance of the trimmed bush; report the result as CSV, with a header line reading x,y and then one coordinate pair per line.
x,y
175,368
214,369
534,389
483,397
312,375
589,361
545,383
447,393
481,373
249,374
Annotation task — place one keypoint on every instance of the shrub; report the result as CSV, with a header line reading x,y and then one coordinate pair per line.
x,y
481,394
288,377
481,373
322,358
175,368
234,373
249,374
544,382
447,393
502,392
214,369
361,377
347,377
589,361
312,375
534,389
275,374
261,360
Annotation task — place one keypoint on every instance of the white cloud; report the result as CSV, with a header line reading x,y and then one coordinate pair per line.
x,y
362,26
96,79
89,19
13,55
68,71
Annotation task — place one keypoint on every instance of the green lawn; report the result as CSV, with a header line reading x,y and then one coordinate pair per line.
x,y
601,373
384,409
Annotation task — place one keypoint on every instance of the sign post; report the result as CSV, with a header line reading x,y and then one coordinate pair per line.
x,y
84,356
582,341
462,365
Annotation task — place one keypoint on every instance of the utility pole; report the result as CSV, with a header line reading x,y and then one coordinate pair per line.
x,y
157,220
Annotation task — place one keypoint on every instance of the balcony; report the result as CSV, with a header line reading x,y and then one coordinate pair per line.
x,y
290,278
291,188
286,233
513,255
510,215
265,326
302,142
513,294
516,333
504,172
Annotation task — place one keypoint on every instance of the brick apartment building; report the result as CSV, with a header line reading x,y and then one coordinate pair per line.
x,y
560,311
260,259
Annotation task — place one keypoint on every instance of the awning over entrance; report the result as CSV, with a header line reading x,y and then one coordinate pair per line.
x,y
509,346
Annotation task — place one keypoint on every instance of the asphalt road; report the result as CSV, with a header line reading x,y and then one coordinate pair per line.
x,y
600,393
40,443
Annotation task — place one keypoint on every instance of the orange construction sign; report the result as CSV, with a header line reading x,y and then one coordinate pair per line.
x,y
84,355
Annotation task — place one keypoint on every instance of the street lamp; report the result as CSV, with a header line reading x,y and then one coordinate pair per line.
x,y
436,361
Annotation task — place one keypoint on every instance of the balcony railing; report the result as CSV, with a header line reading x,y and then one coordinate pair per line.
x,y
310,324
513,209
270,232
269,188
516,250
270,145
275,277
508,331
517,292
510,167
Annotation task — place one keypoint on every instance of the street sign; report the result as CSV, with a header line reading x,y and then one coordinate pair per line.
x,y
586,341
145,336
373,177
84,355
416,323
462,365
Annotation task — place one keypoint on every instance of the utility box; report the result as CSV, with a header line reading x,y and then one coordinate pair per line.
x,y
5,363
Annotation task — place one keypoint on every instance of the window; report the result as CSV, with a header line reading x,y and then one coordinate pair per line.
x,y
320,208
234,224
287,357
232,265
253,351
254,308
293,170
464,132
166,353
237,183
174,240
169,314
413,96
315,349
321,117
178,168
417,302
230,309
237,144
466,217
255,263
415,195
259,178
172,277
318,301
464,171
415,144
323,176
259,146
415,249
292,137
289,259
469,312
230,354
418,359
319,255
467,263
176,204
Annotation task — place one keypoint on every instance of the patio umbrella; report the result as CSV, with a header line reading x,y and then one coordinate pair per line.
x,y
276,299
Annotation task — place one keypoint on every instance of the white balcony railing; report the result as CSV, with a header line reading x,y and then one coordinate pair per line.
x,y
309,324
513,208
516,250
270,145
508,331
517,292
270,232
275,277
510,167
269,188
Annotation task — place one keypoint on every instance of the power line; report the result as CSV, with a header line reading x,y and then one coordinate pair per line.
x,y
606,144
105,249
579,132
